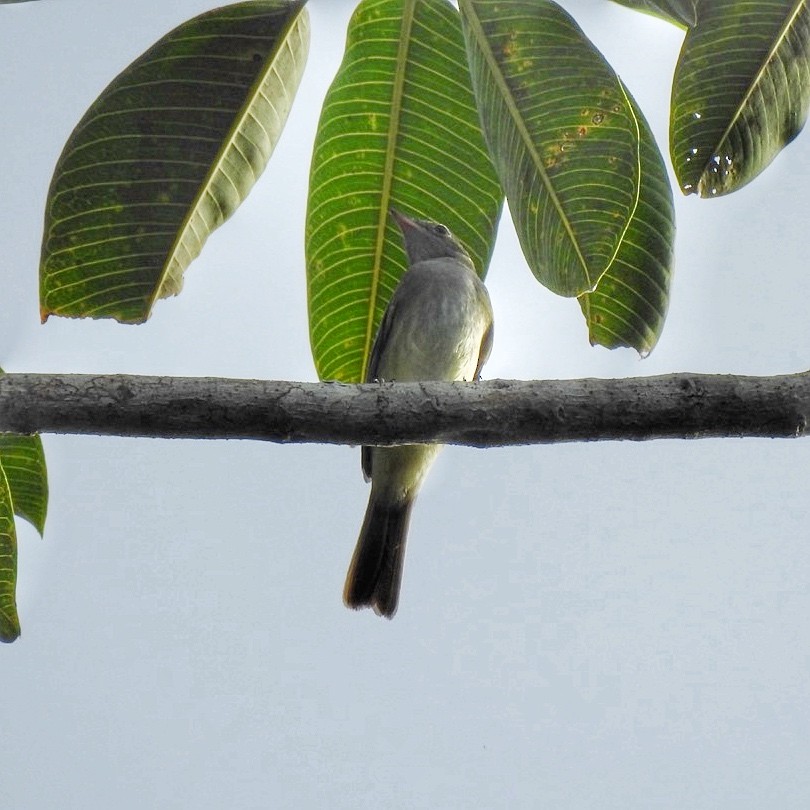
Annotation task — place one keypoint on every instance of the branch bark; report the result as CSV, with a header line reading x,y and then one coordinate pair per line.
x,y
484,414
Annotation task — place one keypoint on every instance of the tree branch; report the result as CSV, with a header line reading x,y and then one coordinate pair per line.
x,y
484,414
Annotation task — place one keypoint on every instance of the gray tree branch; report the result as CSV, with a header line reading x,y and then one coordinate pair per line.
x,y
483,414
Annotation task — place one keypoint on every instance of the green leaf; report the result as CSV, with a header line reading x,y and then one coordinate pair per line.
x,y
165,155
630,303
23,460
740,93
682,13
398,128
9,621
563,135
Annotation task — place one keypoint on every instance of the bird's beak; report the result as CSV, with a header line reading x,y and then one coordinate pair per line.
x,y
405,223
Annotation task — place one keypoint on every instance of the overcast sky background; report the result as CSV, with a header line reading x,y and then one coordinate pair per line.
x,y
610,625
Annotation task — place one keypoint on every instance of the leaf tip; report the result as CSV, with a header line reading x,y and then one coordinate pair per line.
x,y
9,626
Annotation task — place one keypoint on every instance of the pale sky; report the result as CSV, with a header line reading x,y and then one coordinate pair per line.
x,y
608,625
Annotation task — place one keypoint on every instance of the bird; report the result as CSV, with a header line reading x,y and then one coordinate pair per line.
x,y
438,325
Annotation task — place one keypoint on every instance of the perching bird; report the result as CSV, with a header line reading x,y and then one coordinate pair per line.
x,y
438,326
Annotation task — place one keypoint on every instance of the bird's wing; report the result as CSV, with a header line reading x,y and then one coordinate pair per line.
x,y
372,372
486,348
365,461
384,331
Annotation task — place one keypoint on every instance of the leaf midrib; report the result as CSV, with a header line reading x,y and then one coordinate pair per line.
x,y
632,213
397,95
475,24
228,141
790,19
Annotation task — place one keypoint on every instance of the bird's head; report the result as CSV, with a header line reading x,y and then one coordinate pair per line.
x,y
425,239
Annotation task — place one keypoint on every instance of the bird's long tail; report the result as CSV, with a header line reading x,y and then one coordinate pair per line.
x,y
375,572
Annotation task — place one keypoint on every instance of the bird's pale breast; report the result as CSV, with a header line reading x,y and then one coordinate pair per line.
x,y
439,326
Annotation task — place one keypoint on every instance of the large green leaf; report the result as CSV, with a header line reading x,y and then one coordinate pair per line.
x,y
23,491
23,460
398,127
681,12
741,91
9,621
563,135
630,303
165,155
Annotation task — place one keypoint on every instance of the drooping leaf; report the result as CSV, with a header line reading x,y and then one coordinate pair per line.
x,y
23,460
165,155
398,128
9,621
682,13
740,93
23,491
630,303
563,135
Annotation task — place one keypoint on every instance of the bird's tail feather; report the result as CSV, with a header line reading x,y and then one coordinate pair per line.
x,y
375,572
